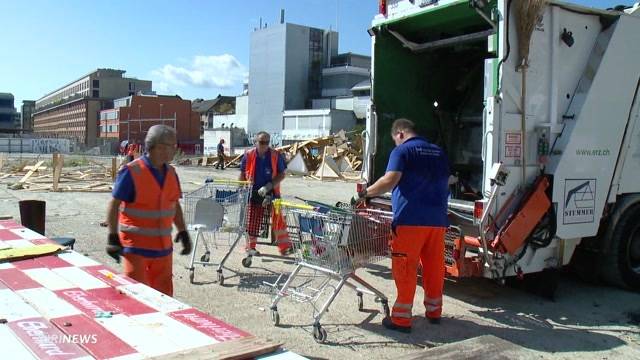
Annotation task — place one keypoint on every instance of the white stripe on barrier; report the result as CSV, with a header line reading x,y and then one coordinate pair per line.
x,y
76,259
48,304
80,278
27,234
11,346
152,298
48,279
18,243
130,357
14,307
151,335
6,266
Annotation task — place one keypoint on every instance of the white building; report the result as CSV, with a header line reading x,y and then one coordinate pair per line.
x,y
311,123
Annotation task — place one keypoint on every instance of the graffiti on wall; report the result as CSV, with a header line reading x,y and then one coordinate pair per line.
x,y
49,146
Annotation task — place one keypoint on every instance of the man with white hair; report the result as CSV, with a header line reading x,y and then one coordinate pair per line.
x,y
265,168
142,211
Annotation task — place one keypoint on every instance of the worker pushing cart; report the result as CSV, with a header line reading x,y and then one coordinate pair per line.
x,y
333,243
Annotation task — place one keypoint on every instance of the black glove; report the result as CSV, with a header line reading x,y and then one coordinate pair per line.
x,y
183,237
114,247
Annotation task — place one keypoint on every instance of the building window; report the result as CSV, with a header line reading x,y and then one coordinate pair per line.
x,y
132,86
96,83
96,93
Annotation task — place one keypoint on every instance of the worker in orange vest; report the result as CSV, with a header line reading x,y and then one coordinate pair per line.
x,y
418,173
265,168
130,156
142,211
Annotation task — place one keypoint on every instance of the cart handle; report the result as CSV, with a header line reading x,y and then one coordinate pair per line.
x,y
227,181
277,203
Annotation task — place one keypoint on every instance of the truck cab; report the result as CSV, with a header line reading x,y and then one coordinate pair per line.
x,y
536,105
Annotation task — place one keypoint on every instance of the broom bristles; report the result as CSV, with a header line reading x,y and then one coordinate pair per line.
x,y
528,12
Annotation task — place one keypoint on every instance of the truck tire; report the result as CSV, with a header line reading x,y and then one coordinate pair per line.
x,y
620,262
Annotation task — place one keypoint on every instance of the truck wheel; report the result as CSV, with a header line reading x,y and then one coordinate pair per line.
x,y
621,262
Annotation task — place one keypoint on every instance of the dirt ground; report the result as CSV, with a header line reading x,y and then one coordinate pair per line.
x,y
585,320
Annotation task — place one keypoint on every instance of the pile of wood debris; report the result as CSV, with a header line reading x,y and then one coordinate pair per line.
x,y
329,157
337,156
38,177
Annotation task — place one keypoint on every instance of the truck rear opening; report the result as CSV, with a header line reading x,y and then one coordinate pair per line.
x,y
430,68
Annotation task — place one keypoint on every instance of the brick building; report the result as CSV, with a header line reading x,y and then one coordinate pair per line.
x,y
132,116
72,111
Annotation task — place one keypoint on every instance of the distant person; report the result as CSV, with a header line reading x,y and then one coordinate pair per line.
x,y
265,168
142,211
418,173
130,155
220,164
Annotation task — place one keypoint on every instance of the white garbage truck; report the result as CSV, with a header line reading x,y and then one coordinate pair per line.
x,y
536,104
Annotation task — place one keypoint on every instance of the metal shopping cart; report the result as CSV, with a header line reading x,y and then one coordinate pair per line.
x,y
333,243
217,213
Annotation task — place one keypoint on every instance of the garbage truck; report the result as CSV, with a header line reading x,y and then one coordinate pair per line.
x,y
536,103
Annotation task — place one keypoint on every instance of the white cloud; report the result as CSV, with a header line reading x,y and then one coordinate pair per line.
x,y
162,87
214,71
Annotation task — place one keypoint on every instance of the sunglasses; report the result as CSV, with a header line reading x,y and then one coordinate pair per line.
x,y
263,142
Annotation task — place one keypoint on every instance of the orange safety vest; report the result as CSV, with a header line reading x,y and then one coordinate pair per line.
x,y
250,167
146,223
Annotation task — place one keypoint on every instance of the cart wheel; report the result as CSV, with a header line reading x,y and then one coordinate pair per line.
x,y
206,257
360,302
246,262
319,334
385,308
191,276
275,317
220,278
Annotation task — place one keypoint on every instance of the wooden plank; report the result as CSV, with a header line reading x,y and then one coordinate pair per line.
x,y
35,168
114,168
485,347
2,158
58,161
27,168
246,348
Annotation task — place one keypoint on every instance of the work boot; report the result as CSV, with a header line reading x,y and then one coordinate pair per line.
x,y
286,252
387,323
434,321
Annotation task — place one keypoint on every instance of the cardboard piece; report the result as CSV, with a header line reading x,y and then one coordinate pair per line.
x,y
344,165
297,165
328,169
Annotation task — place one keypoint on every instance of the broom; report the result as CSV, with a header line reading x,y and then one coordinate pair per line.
x,y
528,13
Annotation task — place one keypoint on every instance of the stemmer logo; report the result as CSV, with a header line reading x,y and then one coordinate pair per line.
x,y
579,201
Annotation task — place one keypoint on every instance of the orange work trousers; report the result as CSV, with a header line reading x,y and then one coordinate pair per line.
x,y
154,272
409,246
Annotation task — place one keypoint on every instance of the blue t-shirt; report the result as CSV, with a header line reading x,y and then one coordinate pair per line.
x,y
263,169
124,189
420,198
220,148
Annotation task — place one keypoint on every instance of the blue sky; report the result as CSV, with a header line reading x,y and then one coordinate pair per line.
x,y
190,48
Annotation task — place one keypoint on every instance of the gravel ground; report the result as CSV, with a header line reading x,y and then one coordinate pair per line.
x,y
587,321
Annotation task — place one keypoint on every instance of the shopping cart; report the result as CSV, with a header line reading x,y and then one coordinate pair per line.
x,y
217,213
333,243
